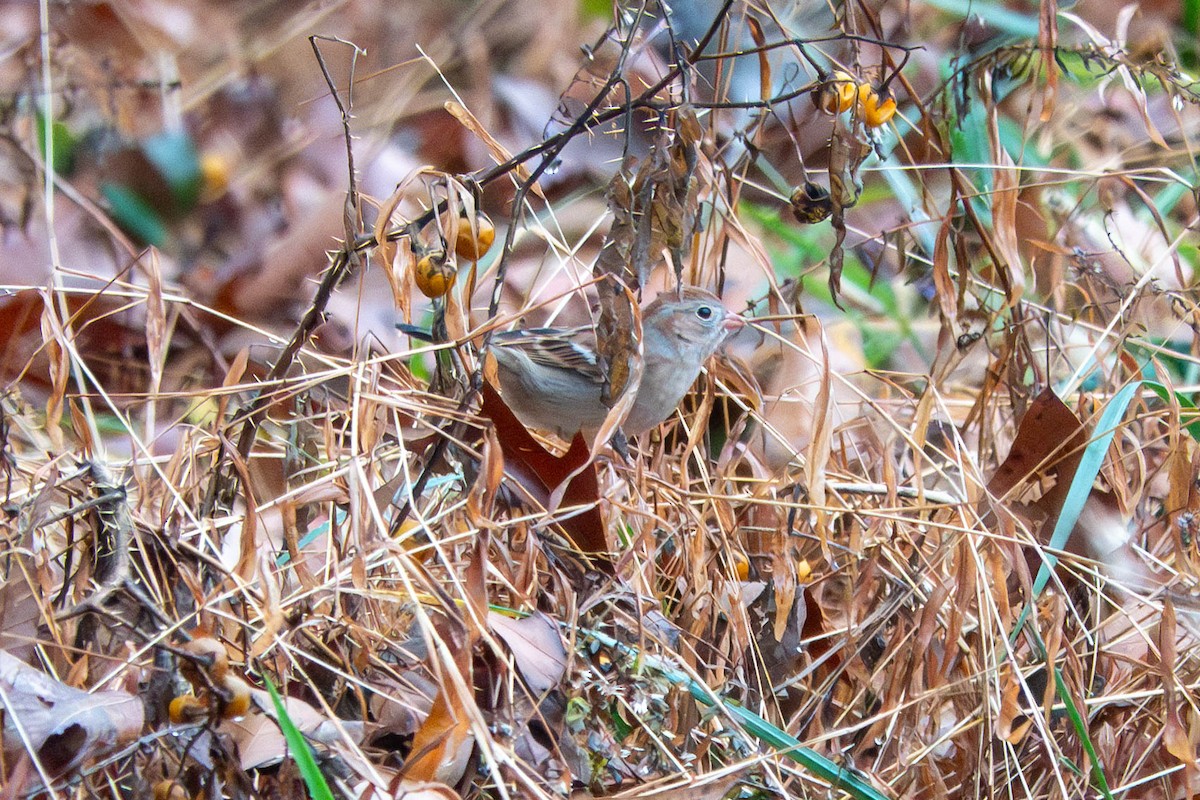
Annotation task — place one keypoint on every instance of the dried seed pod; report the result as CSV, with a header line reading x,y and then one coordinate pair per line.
x,y
434,275
472,242
811,203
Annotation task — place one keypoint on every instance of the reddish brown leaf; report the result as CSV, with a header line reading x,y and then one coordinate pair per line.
x,y
1049,445
541,472
442,745
764,63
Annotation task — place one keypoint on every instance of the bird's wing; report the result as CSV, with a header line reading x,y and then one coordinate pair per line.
x,y
556,348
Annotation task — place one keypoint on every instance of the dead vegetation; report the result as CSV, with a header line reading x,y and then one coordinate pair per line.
x,y
927,528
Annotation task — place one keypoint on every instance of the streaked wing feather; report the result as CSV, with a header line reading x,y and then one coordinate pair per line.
x,y
557,348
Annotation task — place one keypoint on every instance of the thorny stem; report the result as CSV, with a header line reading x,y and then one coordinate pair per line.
x,y
226,486
453,430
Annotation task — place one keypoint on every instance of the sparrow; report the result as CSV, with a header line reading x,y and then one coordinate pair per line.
x,y
552,380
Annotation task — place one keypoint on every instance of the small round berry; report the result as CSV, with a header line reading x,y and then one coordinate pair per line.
x,y
836,94
876,109
472,242
186,708
236,701
434,275
811,203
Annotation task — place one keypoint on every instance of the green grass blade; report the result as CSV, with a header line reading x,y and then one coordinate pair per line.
x,y
1077,495
302,753
1186,406
837,776
1098,778
1081,486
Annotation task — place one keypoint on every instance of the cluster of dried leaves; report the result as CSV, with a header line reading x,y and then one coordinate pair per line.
x,y
916,576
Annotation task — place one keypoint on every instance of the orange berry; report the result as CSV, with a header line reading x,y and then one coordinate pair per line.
x,y
209,651
836,94
434,275
803,570
472,242
845,91
876,109
214,174
741,567
169,790
186,708
237,697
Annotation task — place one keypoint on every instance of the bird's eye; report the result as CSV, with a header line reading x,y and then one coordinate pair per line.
x,y
704,312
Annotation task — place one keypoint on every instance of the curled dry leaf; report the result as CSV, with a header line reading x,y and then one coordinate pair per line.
x,y
498,151
1004,221
799,398
442,745
570,477
618,335
536,646
1012,724
19,616
259,740
1175,735
388,253
64,727
847,152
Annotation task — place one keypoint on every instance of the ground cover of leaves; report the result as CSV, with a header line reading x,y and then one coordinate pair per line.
x,y
927,527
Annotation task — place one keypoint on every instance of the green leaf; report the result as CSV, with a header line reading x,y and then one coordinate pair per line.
x,y
134,215
63,142
596,9
302,753
174,155
1186,406
1098,778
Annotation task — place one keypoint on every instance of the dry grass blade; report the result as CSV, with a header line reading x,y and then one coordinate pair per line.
x,y
928,526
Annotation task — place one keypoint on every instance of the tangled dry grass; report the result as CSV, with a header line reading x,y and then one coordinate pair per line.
x,y
927,528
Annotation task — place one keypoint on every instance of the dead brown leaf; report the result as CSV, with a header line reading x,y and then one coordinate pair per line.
x,y
541,473
536,646
61,726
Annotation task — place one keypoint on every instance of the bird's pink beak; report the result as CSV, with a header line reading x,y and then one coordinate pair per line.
x,y
733,322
